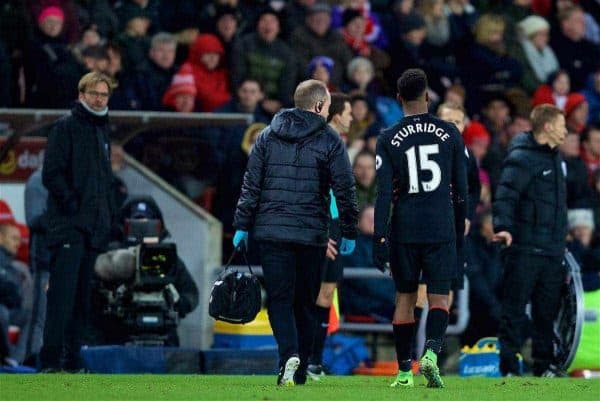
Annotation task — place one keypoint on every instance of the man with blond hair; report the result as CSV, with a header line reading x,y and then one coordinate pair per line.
x,y
77,174
530,218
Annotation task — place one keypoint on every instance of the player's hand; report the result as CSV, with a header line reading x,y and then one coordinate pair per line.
x,y
332,252
467,226
381,253
504,237
347,246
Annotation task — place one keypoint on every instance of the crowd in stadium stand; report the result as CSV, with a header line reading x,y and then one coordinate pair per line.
x,y
497,58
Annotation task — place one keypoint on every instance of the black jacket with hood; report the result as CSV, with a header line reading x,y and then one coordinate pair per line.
x,y
531,198
285,194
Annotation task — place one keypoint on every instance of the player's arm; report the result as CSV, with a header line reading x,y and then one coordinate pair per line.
x,y
252,186
459,181
383,165
384,169
344,190
514,178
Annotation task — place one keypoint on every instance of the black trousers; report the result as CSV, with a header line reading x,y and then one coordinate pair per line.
x,y
4,347
68,304
292,277
535,279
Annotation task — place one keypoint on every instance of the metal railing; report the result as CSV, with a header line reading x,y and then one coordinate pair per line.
x,y
23,122
461,299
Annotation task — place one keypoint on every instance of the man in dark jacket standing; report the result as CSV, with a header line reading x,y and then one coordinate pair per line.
x,y
530,218
78,176
285,199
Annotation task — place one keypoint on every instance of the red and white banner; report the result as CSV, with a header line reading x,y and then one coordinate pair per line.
x,y
22,160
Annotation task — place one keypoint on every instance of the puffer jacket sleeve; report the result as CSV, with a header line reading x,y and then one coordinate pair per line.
x,y
514,179
344,189
252,186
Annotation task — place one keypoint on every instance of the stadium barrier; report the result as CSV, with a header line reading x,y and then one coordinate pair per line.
x,y
462,307
21,143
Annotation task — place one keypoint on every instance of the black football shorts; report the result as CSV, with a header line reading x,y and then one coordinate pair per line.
x,y
432,264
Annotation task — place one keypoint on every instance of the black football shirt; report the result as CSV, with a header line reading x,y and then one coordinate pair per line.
x,y
421,170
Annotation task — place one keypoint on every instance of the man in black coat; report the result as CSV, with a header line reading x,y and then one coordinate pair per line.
x,y
78,177
530,218
285,200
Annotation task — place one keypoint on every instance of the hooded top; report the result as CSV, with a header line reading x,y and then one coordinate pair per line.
x,y
212,86
285,195
293,125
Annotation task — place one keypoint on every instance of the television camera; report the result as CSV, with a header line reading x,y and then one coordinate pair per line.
x,y
135,291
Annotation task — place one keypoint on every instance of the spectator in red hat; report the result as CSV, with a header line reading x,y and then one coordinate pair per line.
x,y
576,112
477,139
181,95
205,60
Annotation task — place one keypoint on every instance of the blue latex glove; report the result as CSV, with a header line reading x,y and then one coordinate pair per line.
x,y
347,246
239,237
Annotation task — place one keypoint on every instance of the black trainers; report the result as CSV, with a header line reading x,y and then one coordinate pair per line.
x,y
315,372
287,372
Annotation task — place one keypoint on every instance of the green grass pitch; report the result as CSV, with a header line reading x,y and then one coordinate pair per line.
x,y
65,387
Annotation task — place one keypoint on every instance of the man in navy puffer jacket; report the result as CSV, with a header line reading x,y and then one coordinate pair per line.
x,y
285,200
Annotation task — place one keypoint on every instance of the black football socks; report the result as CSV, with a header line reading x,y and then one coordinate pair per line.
x,y
437,322
322,322
404,334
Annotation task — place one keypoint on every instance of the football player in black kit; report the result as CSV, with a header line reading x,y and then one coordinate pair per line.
x,y
421,170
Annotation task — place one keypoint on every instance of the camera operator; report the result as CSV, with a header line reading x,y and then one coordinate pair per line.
x,y
111,329
530,218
